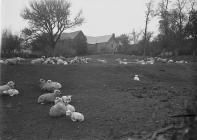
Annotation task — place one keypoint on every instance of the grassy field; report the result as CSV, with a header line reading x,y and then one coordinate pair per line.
x,y
111,101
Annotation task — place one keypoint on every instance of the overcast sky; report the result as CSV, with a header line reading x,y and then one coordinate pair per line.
x,y
102,17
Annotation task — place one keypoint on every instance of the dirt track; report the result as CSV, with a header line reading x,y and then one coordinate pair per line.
x,y
105,93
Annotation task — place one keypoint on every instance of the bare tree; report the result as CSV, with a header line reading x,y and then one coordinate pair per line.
x,y
180,5
148,14
50,17
164,15
192,5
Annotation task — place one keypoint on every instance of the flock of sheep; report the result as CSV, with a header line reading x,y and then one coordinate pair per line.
x,y
65,61
59,60
61,105
150,60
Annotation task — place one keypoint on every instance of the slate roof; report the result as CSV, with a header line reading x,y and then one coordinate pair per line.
x,y
98,39
90,39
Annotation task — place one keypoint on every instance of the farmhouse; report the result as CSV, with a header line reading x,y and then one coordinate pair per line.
x,y
102,44
73,43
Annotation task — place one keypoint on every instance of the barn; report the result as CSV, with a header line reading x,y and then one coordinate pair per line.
x,y
73,43
102,44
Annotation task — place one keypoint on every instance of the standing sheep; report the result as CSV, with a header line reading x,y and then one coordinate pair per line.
x,y
75,116
49,97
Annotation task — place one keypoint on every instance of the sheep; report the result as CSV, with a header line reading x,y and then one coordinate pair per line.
x,y
136,78
2,62
163,60
65,63
70,107
150,62
170,61
102,60
42,82
11,92
8,86
123,62
58,99
12,60
181,62
141,62
49,97
60,62
75,116
37,61
67,99
50,85
59,109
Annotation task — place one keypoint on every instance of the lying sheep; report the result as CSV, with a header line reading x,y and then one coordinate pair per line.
x,y
170,61
59,109
42,82
60,62
2,62
12,60
123,62
136,78
49,85
58,99
75,116
37,61
65,63
49,97
8,86
163,60
68,106
11,92
181,62
67,99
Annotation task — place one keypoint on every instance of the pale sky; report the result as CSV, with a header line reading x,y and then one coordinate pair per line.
x,y
102,17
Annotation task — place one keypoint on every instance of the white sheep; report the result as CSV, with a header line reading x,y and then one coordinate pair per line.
x,y
67,99
75,116
65,63
141,62
170,61
102,60
136,78
37,61
123,62
13,60
50,85
59,109
49,97
11,92
70,107
2,62
60,62
8,86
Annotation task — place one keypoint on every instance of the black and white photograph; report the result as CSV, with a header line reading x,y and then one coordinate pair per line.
x,y
98,70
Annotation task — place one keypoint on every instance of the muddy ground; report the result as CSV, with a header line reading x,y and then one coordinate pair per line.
x,y
111,101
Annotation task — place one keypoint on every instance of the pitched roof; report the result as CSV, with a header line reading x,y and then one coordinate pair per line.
x,y
98,39
71,35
